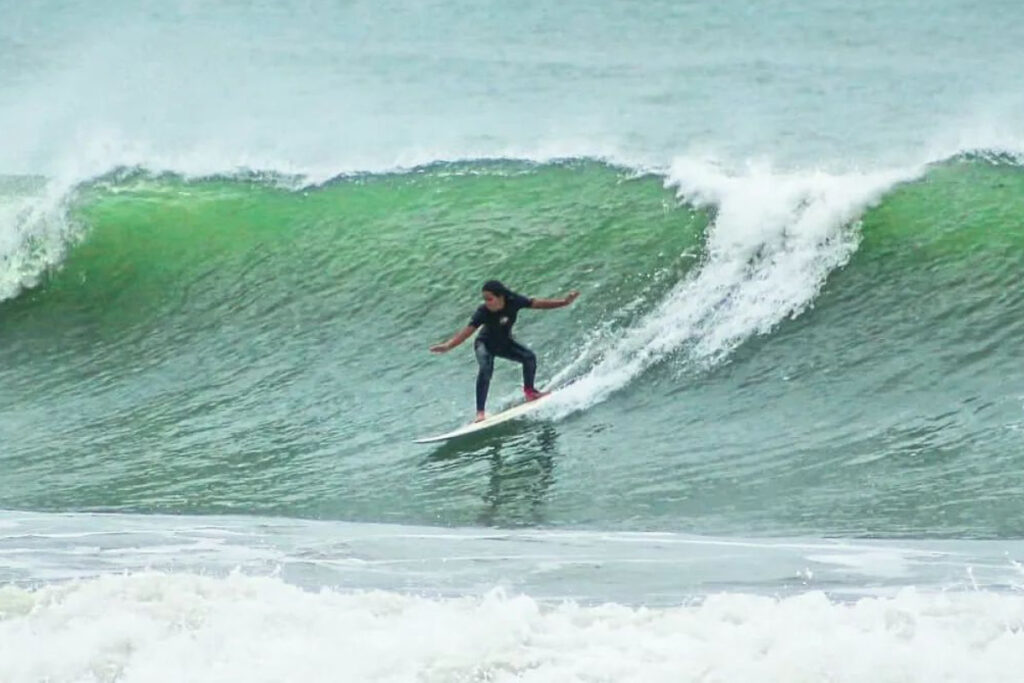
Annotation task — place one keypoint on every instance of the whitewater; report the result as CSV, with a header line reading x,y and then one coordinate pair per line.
x,y
279,621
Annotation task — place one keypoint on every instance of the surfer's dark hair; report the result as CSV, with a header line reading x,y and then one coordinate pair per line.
x,y
495,287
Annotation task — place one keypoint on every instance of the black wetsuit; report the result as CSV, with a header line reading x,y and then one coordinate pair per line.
x,y
495,339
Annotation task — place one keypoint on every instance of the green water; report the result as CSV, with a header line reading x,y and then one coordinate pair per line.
x,y
232,345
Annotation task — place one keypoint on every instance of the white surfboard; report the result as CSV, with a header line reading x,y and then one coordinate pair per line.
x,y
494,420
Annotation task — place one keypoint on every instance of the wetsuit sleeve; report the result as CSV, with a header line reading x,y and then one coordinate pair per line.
x,y
478,317
520,301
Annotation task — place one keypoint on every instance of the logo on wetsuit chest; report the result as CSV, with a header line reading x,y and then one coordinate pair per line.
x,y
503,320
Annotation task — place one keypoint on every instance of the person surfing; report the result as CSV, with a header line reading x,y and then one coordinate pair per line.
x,y
496,316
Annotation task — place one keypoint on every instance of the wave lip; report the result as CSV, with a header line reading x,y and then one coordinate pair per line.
x,y
34,231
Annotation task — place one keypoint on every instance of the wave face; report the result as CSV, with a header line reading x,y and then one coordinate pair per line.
x,y
834,353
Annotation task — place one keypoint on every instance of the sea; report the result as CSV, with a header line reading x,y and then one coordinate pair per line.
x,y
787,435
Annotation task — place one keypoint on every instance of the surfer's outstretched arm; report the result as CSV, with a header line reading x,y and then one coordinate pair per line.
x,y
461,336
556,303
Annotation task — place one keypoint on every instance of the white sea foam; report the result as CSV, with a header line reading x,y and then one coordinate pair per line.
x,y
173,627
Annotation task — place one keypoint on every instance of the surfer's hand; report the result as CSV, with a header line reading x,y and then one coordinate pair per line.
x,y
440,348
571,296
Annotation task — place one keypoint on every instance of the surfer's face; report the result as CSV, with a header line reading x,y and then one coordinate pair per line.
x,y
493,302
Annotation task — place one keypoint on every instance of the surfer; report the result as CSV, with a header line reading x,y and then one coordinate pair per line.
x,y
497,315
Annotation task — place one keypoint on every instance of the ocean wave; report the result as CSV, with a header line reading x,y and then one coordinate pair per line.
x,y
745,309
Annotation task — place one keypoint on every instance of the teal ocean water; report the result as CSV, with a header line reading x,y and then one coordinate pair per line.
x,y
789,393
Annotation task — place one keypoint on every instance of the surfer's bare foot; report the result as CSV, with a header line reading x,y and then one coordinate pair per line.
x,y
532,394
480,416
